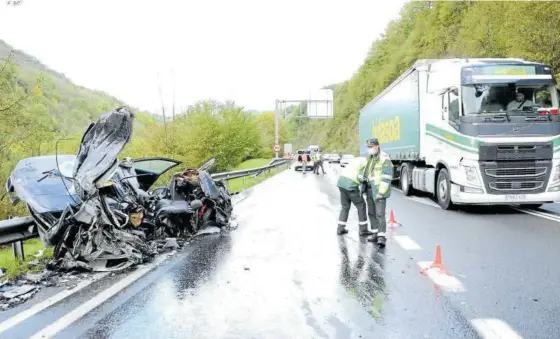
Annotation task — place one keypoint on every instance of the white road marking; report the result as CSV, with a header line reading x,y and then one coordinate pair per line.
x,y
88,306
447,282
424,201
490,328
406,242
18,318
539,214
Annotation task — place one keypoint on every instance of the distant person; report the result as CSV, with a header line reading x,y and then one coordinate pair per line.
x,y
519,102
377,176
350,193
304,159
318,161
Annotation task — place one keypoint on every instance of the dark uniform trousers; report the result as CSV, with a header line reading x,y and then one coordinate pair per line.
x,y
376,212
317,164
346,199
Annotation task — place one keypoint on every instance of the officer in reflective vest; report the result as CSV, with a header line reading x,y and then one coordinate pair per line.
x,y
350,192
377,176
318,161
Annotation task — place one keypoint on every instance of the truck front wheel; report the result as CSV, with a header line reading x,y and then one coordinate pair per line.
x,y
405,181
443,190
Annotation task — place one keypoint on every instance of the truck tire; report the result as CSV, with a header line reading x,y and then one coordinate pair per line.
x,y
406,179
443,190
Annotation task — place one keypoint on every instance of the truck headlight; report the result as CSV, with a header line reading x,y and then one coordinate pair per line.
x,y
556,176
471,175
555,180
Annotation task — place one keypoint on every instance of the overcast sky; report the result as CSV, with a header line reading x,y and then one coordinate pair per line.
x,y
249,51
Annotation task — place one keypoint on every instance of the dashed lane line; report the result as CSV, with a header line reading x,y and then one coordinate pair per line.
x,y
487,328
491,328
406,242
447,282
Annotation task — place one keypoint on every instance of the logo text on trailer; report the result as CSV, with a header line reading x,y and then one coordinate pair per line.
x,y
387,131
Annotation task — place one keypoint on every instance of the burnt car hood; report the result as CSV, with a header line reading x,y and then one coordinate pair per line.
x,y
37,182
100,147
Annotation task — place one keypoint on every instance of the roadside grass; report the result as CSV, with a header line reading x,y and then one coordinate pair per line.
x,y
239,184
12,267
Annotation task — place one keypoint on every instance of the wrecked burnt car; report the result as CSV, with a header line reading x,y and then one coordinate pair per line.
x,y
100,213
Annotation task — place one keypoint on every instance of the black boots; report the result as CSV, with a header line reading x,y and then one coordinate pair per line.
x,y
365,233
380,240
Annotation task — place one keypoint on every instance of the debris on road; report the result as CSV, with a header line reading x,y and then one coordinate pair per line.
x,y
100,214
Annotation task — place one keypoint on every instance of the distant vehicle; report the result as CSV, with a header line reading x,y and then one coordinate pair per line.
x,y
345,159
334,158
304,159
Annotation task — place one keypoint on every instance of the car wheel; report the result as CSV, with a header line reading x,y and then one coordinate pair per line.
x,y
443,190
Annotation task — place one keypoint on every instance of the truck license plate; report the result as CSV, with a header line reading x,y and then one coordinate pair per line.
x,y
515,197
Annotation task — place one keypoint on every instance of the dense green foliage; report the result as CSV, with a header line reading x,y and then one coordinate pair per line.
x,y
431,29
39,106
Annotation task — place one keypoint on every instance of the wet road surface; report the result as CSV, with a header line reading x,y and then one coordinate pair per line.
x,y
285,274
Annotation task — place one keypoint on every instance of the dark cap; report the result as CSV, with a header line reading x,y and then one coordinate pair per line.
x,y
372,142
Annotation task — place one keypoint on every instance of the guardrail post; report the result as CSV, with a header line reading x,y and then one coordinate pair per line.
x,y
18,248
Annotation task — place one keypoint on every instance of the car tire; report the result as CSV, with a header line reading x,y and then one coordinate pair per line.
x,y
443,190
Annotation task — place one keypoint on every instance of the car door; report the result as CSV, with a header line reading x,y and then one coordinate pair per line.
x,y
150,169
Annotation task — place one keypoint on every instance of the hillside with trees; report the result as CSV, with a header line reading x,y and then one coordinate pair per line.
x,y
435,29
39,106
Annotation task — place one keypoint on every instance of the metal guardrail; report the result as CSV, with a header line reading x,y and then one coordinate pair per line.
x,y
243,173
15,230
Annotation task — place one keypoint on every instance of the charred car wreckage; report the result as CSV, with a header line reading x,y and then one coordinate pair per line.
x,y
101,213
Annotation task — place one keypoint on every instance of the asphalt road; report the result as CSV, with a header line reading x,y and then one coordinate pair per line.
x,y
285,274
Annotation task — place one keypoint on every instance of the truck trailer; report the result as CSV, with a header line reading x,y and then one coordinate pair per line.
x,y
471,131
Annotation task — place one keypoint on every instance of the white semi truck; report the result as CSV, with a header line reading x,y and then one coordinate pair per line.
x,y
471,131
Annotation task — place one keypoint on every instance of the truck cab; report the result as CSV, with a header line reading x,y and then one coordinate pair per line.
x,y
472,131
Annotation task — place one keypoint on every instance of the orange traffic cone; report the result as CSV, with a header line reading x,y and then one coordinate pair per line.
x,y
437,262
392,221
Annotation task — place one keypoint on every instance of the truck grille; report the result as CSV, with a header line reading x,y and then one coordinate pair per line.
x,y
506,177
509,186
510,168
537,151
516,172
516,152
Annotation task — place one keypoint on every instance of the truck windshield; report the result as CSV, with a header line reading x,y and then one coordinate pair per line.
x,y
496,98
